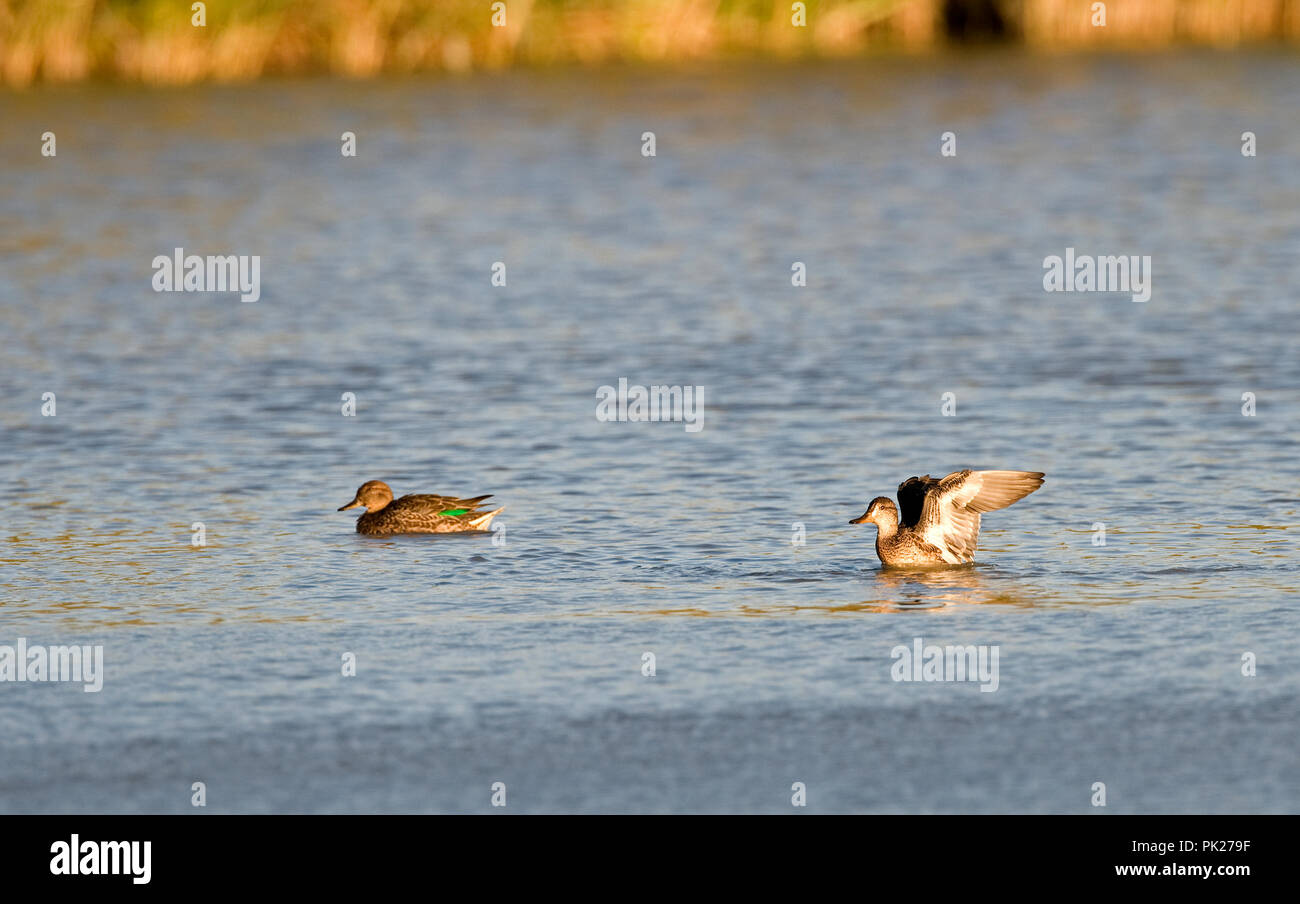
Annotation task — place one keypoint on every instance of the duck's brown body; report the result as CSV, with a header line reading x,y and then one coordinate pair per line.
x,y
905,547
418,513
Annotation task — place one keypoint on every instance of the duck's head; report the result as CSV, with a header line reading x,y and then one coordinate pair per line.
x,y
881,511
373,494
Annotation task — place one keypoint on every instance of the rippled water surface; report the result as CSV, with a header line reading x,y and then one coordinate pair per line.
x,y
522,663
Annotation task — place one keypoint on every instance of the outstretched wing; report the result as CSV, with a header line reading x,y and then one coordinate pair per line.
x,y
950,515
911,499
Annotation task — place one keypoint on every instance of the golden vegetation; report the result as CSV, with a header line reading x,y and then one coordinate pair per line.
x,y
155,40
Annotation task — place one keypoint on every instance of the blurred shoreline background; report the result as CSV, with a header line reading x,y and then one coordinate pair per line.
x,y
154,41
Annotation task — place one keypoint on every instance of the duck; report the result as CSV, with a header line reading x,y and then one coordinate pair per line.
x,y
940,520
417,513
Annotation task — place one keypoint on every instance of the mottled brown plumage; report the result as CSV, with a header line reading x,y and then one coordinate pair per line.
x,y
940,521
417,513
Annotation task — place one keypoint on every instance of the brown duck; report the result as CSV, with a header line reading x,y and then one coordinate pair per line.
x,y
418,513
940,520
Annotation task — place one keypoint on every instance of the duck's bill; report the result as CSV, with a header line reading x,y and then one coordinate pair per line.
x,y
859,520
353,504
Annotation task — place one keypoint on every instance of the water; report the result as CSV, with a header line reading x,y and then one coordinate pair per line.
x,y
521,663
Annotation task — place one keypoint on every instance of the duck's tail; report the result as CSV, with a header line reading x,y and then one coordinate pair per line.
x,y
481,520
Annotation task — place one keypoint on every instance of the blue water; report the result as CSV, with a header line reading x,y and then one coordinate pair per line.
x,y
521,662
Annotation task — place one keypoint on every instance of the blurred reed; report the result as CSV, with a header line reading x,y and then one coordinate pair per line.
x,y
154,40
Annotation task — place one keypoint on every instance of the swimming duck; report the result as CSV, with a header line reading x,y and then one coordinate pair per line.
x,y
940,521
419,513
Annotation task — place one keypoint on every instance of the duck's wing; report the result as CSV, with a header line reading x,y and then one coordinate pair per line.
x,y
435,503
911,499
950,515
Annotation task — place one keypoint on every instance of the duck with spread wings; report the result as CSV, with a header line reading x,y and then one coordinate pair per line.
x,y
937,522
